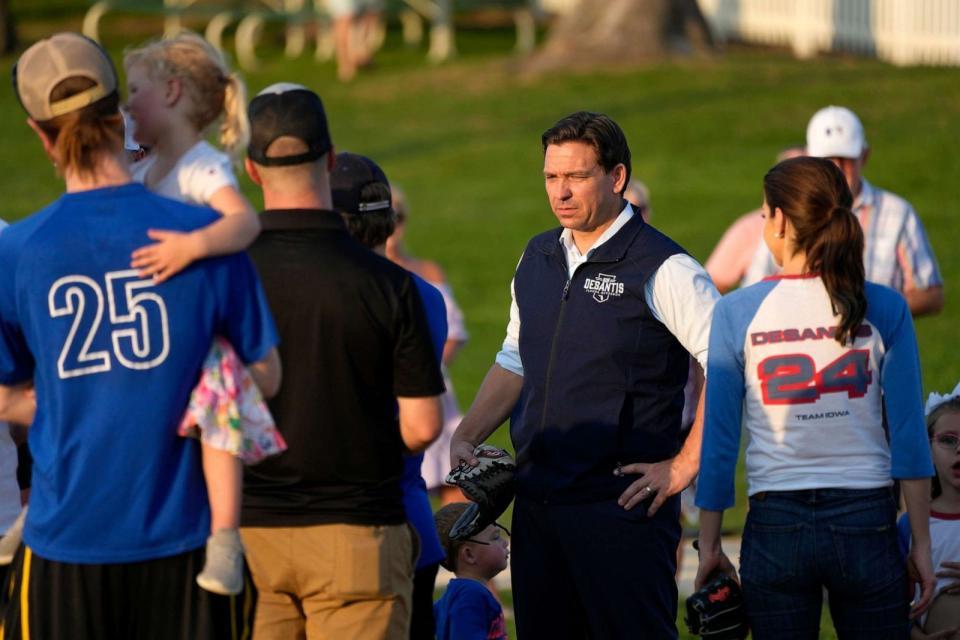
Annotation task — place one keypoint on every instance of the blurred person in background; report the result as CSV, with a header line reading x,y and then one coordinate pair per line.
x,y
638,194
729,263
12,495
356,24
436,460
361,194
897,251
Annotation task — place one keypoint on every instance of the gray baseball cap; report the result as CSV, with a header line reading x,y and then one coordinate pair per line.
x,y
51,61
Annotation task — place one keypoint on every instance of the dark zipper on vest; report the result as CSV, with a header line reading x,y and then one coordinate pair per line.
x,y
554,340
556,333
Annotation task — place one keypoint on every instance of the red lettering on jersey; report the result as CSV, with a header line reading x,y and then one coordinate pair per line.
x,y
799,335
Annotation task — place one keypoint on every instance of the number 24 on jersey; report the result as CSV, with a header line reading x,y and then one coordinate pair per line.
x,y
794,379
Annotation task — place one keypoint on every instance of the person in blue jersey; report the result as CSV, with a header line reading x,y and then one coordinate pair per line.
x,y
821,370
119,514
362,195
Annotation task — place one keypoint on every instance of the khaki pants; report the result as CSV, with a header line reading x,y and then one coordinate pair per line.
x,y
332,581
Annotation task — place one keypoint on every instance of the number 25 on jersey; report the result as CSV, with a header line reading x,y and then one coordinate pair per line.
x,y
794,379
139,336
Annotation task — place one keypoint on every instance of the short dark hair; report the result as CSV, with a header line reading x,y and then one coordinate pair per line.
x,y
597,130
371,228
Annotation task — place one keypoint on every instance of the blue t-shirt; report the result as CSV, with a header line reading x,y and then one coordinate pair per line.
x,y
415,498
468,611
114,358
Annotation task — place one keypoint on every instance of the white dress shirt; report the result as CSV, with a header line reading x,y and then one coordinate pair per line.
x,y
680,295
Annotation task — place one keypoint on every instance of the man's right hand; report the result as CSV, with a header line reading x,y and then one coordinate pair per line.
x,y
496,398
462,451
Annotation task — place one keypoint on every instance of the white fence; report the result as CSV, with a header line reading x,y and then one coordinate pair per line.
x,y
903,32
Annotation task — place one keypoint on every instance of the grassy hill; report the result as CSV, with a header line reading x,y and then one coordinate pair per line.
x,y
463,142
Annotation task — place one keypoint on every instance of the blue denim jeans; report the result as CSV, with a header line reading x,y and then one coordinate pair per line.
x,y
798,543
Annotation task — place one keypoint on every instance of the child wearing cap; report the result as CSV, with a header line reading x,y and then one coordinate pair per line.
x,y
467,610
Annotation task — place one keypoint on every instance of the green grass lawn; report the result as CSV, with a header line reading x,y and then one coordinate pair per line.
x,y
463,141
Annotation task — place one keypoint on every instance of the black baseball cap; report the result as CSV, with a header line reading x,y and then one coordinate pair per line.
x,y
287,109
351,174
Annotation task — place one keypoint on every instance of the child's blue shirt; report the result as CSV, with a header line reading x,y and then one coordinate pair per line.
x,y
468,611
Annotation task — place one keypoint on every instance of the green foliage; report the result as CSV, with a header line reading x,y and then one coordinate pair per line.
x,y
463,140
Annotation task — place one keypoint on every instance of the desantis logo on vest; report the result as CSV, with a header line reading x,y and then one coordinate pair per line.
x,y
603,286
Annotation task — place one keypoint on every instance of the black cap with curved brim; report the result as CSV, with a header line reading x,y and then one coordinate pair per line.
x,y
291,110
351,173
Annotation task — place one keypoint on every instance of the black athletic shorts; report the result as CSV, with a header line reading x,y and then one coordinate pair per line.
x,y
155,599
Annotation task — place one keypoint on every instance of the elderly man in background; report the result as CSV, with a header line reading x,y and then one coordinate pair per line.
x,y
897,252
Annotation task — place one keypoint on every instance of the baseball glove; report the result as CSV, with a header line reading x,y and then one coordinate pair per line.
x,y
490,487
716,611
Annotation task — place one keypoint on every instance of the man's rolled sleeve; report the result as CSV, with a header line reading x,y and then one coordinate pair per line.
x,y
681,295
509,355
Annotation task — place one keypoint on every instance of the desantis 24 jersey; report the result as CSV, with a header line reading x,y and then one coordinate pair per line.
x,y
813,409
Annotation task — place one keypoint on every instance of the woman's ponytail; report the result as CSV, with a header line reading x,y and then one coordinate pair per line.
x,y
837,253
813,194
82,137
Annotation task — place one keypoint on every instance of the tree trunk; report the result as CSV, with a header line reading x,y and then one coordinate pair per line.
x,y
623,32
8,37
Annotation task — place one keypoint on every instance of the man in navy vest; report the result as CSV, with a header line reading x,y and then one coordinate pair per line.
x,y
605,310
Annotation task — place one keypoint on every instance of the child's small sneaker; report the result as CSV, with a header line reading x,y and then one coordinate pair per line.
x,y
223,570
12,538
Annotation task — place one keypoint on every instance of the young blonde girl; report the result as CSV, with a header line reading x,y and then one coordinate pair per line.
x,y
942,620
178,89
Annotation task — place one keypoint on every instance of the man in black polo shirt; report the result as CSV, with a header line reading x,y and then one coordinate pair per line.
x,y
323,523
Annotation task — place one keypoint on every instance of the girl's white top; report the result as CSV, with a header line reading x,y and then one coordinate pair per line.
x,y
198,174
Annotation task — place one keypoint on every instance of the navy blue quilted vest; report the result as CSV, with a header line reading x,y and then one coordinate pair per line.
x,y
602,378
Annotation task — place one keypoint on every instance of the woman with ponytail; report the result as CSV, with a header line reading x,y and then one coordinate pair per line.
x,y
179,88
119,517
821,370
